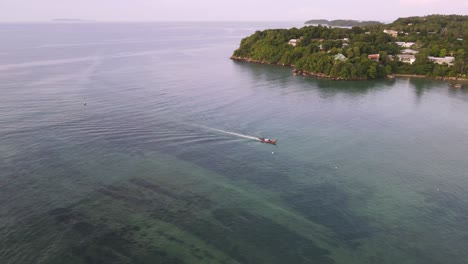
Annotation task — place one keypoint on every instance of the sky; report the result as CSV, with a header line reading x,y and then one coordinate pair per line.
x,y
224,10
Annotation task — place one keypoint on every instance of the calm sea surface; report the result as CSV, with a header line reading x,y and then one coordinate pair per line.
x,y
132,143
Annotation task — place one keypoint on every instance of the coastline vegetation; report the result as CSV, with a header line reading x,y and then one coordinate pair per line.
x,y
341,22
366,52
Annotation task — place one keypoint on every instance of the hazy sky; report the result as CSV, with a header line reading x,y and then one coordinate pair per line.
x,y
173,10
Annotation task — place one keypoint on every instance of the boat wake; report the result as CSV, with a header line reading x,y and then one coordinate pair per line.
x,y
232,133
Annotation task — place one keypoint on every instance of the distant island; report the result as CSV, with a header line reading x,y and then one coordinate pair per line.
x,y
69,20
341,23
431,46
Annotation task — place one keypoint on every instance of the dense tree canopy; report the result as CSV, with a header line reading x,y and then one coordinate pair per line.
x,y
317,46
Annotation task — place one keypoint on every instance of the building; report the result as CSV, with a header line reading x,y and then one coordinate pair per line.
x,y
292,42
409,51
391,32
445,60
374,57
406,58
405,44
340,57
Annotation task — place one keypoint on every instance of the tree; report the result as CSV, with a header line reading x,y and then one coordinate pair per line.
x,y
435,51
443,53
434,36
372,72
356,51
388,69
349,53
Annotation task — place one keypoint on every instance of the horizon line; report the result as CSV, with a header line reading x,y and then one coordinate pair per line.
x,y
78,20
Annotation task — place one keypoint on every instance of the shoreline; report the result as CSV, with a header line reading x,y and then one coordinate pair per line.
x,y
324,76
258,61
294,70
434,78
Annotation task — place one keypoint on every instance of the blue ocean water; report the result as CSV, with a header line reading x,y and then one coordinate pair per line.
x,y
135,143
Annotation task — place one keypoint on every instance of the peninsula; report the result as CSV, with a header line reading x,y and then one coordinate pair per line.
x,y
341,23
68,20
431,46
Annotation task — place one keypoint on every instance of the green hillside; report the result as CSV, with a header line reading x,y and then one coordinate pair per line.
x,y
438,43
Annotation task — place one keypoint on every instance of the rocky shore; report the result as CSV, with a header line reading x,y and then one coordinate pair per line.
x,y
295,71
435,78
324,76
258,61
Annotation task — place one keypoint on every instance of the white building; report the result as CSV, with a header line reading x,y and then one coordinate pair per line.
x,y
409,51
406,58
447,60
340,57
292,42
391,32
405,44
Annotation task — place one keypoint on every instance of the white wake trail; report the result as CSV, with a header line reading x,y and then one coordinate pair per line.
x,y
232,133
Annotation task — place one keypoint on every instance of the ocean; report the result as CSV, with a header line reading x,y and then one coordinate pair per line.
x,y
137,143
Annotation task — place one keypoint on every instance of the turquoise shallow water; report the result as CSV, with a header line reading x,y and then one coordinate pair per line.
x,y
159,167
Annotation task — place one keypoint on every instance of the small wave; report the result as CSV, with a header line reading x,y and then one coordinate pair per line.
x,y
44,63
4,67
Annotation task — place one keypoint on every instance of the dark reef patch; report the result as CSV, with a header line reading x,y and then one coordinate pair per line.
x,y
322,203
112,246
243,236
447,210
177,194
329,206
153,187
254,239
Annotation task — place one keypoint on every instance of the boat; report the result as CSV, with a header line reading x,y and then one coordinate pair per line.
x,y
268,141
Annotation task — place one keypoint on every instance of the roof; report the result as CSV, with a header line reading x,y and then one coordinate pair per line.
x,y
340,57
409,51
439,60
405,44
449,59
406,56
